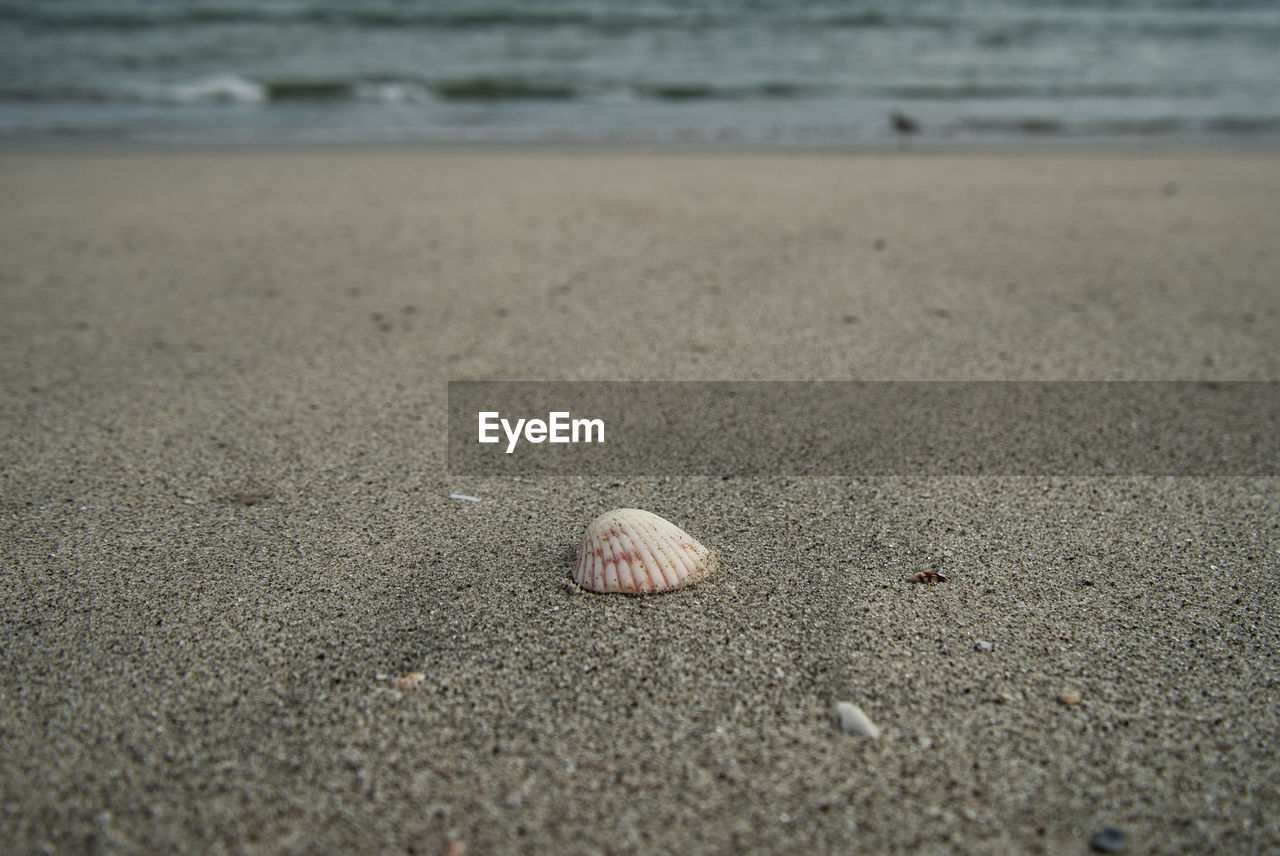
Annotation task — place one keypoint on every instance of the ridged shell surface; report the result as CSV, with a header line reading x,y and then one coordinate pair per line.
x,y
633,551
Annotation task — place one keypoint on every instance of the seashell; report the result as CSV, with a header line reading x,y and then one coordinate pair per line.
x,y
633,551
854,721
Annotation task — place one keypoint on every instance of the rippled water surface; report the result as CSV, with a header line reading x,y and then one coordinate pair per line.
x,y
812,72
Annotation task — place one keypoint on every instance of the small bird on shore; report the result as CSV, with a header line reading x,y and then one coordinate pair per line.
x,y
903,125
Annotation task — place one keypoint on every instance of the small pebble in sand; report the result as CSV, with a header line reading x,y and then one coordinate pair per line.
x,y
464,497
1070,698
454,848
928,577
1108,840
854,721
983,645
405,681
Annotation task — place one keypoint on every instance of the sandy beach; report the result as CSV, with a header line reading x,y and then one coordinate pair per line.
x,y
227,521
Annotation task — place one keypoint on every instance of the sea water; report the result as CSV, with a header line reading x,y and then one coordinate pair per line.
x,y
750,72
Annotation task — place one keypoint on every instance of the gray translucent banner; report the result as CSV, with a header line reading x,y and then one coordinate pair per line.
x,y
744,428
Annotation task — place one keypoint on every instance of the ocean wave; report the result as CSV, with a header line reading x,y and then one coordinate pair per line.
x,y
238,89
997,24
131,17
1055,92
1154,126
507,89
617,20
215,89
1245,125
231,88
224,89
502,89
1052,92
135,16
386,91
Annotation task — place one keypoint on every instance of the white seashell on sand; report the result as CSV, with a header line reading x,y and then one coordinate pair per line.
x,y
854,721
633,551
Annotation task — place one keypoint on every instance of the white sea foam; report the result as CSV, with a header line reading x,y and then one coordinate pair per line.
x,y
220,89
392,92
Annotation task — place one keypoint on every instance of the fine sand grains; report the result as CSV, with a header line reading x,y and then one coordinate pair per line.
x,y
245,608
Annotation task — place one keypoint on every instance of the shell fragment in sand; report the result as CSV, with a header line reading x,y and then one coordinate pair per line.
x,y
854,721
